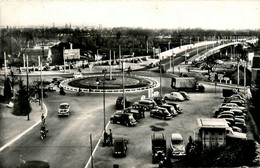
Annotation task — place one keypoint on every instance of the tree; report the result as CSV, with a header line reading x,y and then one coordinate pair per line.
x,y
22,105
7,90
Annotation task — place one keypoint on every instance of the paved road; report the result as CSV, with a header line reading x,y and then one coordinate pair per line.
x,y
67,143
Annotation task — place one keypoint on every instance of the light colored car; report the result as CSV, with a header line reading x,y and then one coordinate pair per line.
x,y
233,105
185,95
177,145
64,109
174,96
233,134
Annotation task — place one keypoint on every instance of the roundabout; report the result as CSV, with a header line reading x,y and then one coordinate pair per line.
x,y
101,83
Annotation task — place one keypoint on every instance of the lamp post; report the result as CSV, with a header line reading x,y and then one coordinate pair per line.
x,y
180,43
173,55
123,84
160,67
104,99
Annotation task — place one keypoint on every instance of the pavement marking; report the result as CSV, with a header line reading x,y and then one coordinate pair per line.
x,y
23,133
93,153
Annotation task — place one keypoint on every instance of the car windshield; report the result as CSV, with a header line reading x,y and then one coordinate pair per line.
x,y
177,142
64,106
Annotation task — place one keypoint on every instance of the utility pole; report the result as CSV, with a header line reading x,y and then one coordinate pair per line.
x,y
63,59
146,47
160,66
5,65
123,84
91,150
27,87
110,67
41,77
104,100
173,55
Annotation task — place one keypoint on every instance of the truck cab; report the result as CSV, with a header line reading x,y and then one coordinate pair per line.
x,y
158,147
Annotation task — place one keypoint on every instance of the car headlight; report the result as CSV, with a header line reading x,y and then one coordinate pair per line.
x,y
156,154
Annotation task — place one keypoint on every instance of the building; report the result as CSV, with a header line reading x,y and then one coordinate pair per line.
x,y
212,132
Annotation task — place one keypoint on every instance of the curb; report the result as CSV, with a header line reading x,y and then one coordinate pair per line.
x,y
93,153
153,84
24,132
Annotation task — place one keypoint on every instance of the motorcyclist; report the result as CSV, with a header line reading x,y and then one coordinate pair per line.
x,y
43,129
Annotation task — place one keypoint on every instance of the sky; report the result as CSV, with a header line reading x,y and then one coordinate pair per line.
x,y
169,14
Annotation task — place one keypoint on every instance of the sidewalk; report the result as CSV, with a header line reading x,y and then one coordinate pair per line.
x,y
13,126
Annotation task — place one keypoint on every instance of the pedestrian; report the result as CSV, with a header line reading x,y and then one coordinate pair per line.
x,y
105,139
43,119
110,137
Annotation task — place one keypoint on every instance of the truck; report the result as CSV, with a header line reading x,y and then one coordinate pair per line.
x,y
158,147
186,83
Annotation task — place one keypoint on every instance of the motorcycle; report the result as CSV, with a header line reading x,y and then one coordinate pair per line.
x,y
43,134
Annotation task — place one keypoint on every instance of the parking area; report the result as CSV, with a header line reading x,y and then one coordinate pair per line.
x,y
139,153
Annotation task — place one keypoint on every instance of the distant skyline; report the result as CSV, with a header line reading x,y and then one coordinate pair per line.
x,y
205,14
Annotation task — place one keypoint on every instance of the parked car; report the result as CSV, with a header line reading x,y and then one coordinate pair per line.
x,y
120,103
225,112
185,95
147,105
177,146
161,113
175,96
229,118
233,105
238,102
158,147
122,118
237,129
119,147
170,109
235,135
229,99
160,101
137,113
64,109
239,96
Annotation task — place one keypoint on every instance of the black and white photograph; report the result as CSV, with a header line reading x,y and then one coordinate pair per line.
x,y
129,83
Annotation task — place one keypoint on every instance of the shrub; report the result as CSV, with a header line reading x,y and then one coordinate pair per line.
x,y
241,153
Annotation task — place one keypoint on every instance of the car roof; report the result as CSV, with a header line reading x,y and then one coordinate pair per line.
x,y
64,104
176,136
119,139
158,135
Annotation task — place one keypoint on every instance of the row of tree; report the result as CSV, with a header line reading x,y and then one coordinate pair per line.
x,y
14,41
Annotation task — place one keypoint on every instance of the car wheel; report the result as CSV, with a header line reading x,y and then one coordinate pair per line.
x,y
127,124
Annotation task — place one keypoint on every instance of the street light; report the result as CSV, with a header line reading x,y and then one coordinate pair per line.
x,y
172,62
104,98
160,67
180,43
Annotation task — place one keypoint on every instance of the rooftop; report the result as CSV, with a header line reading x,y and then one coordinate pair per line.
x,y
212,123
